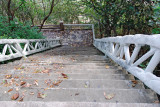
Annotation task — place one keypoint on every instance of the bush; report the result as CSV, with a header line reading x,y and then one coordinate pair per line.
x,y
17,30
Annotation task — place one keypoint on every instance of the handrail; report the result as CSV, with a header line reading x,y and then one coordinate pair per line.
x,y
118,49
14,48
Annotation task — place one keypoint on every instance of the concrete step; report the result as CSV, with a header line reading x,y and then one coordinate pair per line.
x,y
61,66
98,83
73,104
71,76
84,95
77,71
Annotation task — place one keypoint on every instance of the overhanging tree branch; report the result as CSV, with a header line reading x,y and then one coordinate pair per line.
x,y
50,12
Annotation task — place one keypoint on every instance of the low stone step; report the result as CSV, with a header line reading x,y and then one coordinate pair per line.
x,y
77,71
84,95
79,63
73,104
98,83
71,76
62,66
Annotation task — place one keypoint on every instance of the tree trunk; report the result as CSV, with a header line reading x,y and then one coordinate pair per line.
x,y
9,11
51,9
100,29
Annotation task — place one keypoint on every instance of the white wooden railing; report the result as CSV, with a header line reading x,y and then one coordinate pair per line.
x,y
118,49
14,48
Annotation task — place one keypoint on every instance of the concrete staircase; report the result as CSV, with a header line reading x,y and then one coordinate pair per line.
x,y
83,75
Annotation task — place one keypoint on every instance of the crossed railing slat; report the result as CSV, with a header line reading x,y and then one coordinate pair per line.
x,y
14,48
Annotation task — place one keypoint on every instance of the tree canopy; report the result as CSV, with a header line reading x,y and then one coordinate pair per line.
x,y
111,17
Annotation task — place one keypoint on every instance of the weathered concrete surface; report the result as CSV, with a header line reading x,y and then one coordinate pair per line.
x,y
88,77
74,104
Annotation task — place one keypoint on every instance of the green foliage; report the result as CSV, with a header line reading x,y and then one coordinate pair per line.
x,y
155,23
127,16
17,30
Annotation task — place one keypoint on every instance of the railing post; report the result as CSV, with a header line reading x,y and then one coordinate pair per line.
x,y
61,26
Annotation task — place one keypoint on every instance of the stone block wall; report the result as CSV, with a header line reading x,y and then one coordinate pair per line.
x,y
75,38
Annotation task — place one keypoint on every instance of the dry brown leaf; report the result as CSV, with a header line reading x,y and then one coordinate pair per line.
x,y
8,76
37,71
22,83
64,75
48,82
156,101
109,96
16,77
107,67
31,93
17,84
13,80
35,82
28,85
21,99
134,81
10,90
76,94
57,83
40,95
47,71
15,96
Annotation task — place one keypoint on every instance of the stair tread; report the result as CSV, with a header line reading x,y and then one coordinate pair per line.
x,y
85,95
74,104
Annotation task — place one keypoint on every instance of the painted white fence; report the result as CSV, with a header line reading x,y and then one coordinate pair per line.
x,y
14,48
117,48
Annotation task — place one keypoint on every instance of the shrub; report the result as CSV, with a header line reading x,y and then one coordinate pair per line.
x,y
17,30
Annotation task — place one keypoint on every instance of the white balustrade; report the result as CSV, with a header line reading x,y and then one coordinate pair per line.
x,y
14,48
118,49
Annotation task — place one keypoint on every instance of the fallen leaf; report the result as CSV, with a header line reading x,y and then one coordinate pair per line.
x,y
22,83
156,101
8,76
13,80
43,96
107,66
48,82
21,99
17,84
134,81
35,82
76,94
47,71
64,75
37,71
28,85
10,90
16,77
109,96
31,93
57,83
40,95
15,96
